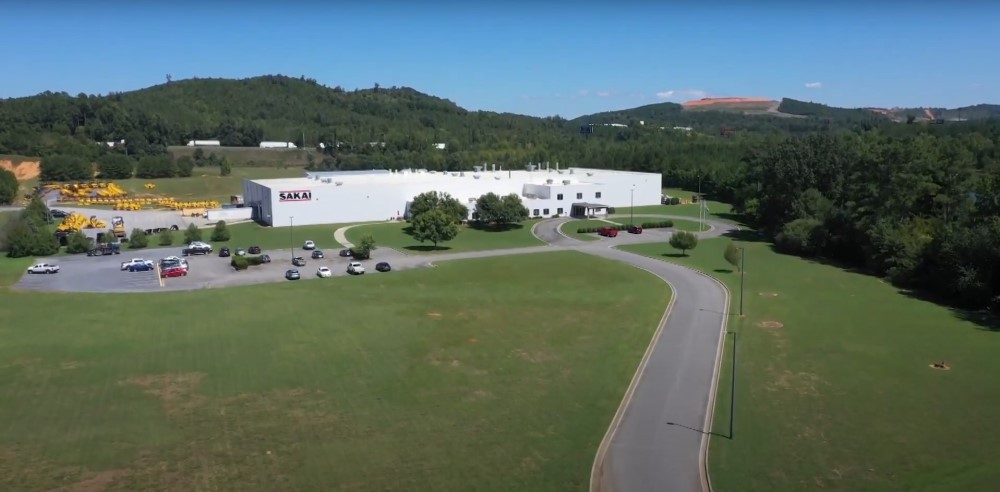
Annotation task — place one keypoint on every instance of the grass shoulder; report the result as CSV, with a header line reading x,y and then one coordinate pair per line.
x,y
834,384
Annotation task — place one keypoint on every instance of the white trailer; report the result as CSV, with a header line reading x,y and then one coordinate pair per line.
x,y
277,145
204,143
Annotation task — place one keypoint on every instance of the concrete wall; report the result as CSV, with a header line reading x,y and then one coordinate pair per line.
x,y
230,214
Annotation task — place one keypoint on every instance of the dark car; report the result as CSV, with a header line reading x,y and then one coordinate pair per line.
x,y
634,229
299,261
383,267
58,214
140,267
265,258
292,274
317,254
346,253
224,252
254,250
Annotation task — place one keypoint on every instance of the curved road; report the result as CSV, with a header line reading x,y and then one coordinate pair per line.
x,y
675,381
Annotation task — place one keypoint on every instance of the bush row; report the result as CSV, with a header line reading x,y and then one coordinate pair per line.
x,y
645,225
243,262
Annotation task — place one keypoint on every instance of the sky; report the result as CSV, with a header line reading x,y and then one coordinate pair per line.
x,y
540,58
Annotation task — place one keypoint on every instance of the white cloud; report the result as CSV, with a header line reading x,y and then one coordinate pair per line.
x,y
814,85
603,93
583,92
685,94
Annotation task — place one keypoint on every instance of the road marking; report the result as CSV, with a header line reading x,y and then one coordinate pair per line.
x,y
159,277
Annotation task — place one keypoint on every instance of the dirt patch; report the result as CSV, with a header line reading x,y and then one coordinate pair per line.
x,y
69,366
768,294
478,395
24,170
535,357
473,340
940,366
23,362
770,324
434,315
727,101
175,391
97,483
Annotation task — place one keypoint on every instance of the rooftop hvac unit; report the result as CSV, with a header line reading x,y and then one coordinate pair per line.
x,y
454,174
560,172
548,181
339,183
472,200
566,181
327,180
588,174
496,177
462,174
478,169
530,167
571,171
475,176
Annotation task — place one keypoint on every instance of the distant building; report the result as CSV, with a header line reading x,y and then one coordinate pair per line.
x,y
440,146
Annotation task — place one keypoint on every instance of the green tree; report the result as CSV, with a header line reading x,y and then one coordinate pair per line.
x,y
137,239
225,167
115,166
733,255
199,157
491,209
77,242
166,237
8,187
37,212
435,226
185,167
221,232
683,241
23,237
192,234
365,246
431,200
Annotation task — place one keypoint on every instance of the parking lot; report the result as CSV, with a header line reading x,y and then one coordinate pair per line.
x,y
81,273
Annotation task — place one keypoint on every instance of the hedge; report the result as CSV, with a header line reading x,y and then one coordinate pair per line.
x,y
645,225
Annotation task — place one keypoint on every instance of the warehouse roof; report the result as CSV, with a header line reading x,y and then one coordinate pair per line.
x,y
573,176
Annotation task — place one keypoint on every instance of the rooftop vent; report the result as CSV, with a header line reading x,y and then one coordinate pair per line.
x,y
566,181
475,176
496,177
327,180
548,181
529,167
339,183
461,173
588,174
478,169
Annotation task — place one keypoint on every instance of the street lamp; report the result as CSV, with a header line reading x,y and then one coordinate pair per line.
x,y
743,255
291,236
631,208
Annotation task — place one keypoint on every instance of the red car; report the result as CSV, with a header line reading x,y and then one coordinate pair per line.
x,y
607,232
174,272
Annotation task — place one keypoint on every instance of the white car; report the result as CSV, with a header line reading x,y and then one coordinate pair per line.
x,y
356,268
43,268
324,272
308,245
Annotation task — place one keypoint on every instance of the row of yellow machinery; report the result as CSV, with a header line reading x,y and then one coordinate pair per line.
x,y
107,193
75,222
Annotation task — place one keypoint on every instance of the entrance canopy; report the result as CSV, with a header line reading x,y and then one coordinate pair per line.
x,y
584,209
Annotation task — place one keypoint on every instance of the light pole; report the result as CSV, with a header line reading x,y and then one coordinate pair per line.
x,y
701,208
743,255
291,236
631,208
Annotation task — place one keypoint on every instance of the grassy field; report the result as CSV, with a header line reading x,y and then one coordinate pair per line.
x,y
716,210
429,379
252,156
393,235
834,389
206,184
268,238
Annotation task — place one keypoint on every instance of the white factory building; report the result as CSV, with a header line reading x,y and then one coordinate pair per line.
x,y
362,196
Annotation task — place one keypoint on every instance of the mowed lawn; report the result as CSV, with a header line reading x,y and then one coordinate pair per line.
x,y
206,183
248,234
841,395
716,210
429,379
394,235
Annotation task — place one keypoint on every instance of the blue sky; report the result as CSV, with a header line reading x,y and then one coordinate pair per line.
x,y
539,58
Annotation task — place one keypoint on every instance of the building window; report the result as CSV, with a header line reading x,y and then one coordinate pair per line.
x,y
546,211
579,196
597,195
536,213
559,211
559,196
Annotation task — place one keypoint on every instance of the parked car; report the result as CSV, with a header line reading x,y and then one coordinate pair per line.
x,y
177,271
136,262
324,272
240,252
254,250
607,232
106,249
383,266
141,267
198,248
299,261
292,274
356,268
317,254
345,253
58,214
634,229
308,245
44,268
265,258
224,253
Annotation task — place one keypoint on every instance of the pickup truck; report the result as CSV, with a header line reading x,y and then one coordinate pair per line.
x,y
137,264
198,248
43,268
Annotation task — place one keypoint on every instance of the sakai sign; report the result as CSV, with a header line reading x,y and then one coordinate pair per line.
x,y
295,196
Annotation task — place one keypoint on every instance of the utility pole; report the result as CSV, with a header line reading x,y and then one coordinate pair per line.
x,y
291,236
631,209
743,262
701,208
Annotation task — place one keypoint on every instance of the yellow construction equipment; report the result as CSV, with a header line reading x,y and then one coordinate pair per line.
x,y
74,222
117,226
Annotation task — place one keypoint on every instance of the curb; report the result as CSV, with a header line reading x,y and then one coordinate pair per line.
x,y
602,449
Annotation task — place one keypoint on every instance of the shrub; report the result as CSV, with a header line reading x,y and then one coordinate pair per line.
x,y
240,263
221,232
78,242
166,237
137,239
253,260
192,234
658,225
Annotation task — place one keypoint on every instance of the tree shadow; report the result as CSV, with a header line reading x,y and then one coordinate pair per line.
x,y
738,219
722,270
408,230
746,236
423,248
494,227
674,255
983,319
